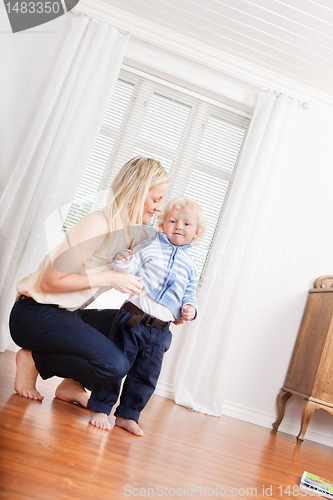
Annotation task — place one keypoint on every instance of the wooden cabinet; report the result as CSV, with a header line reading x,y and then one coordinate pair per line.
x,y
310,372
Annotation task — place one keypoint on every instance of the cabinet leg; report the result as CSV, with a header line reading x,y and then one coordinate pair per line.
x,y
307,412
282,401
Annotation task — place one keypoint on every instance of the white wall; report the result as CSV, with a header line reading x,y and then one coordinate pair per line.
x,y
298,249
27,60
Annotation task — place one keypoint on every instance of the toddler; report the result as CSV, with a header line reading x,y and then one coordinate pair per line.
x,y
141,327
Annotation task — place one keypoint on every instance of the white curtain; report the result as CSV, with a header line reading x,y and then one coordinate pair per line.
x,y
210,344
57,149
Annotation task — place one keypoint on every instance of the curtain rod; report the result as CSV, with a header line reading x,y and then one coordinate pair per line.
x,y
79,13
303,104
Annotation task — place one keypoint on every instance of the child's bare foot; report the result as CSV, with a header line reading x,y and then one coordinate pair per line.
x,y
129,425
71,391
26,376
100,420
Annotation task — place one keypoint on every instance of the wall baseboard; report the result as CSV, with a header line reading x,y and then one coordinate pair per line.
x,y
251,416
164,390
291,427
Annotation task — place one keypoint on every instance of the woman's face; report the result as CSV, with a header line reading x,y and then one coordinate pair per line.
x,y
153,202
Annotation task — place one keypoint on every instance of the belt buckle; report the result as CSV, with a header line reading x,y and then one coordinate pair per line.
x,y
149,320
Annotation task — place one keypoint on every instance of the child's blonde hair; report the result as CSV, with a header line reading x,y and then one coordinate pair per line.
x,y
129,191
188,205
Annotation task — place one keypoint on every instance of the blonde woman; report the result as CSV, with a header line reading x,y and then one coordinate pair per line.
x,y
58,336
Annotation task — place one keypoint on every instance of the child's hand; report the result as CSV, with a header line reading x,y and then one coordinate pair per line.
x,y
122,257
188,312
181,322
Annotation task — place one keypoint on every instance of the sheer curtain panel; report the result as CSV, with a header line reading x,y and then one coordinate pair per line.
x,y
57,148
210,343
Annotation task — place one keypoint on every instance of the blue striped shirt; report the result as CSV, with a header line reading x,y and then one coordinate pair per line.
x,y
169,273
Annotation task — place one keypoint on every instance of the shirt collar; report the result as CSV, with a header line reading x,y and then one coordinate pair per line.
x,y
164,237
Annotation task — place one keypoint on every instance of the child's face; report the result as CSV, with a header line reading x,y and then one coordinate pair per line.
x,y
180,226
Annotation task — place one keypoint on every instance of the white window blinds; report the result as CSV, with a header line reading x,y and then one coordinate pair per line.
x,y
198,143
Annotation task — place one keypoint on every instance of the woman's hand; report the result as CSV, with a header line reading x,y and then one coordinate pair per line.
x,y
123,282
122,256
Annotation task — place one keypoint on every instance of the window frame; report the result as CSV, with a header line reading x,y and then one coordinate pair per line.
x,y
203,107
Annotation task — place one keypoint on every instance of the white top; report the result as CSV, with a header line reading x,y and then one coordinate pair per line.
x,y
99,261
150,306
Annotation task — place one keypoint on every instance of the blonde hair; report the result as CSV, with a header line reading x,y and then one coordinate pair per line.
x,y
129,191
189,206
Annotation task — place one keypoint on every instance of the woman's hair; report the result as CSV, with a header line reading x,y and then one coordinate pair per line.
x,y
189,206
129,191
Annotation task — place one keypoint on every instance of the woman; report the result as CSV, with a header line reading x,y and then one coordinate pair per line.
x,y
49,321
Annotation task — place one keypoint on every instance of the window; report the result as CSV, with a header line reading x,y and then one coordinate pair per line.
x,y
197,142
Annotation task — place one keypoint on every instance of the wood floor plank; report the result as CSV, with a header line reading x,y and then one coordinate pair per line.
x,y
13,486
48,450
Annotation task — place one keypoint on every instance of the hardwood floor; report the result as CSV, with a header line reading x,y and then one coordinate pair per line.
x,y
49,451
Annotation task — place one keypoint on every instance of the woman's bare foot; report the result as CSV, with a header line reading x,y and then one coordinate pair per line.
x,y
100,420
26,375
71,391
129,425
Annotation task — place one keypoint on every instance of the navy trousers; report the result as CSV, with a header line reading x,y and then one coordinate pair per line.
x,y
144,348
69,344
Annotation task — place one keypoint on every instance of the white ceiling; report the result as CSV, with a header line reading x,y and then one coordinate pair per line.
x,y
292,39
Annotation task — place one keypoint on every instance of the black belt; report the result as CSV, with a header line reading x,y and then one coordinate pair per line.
x,y
23,297
139,315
